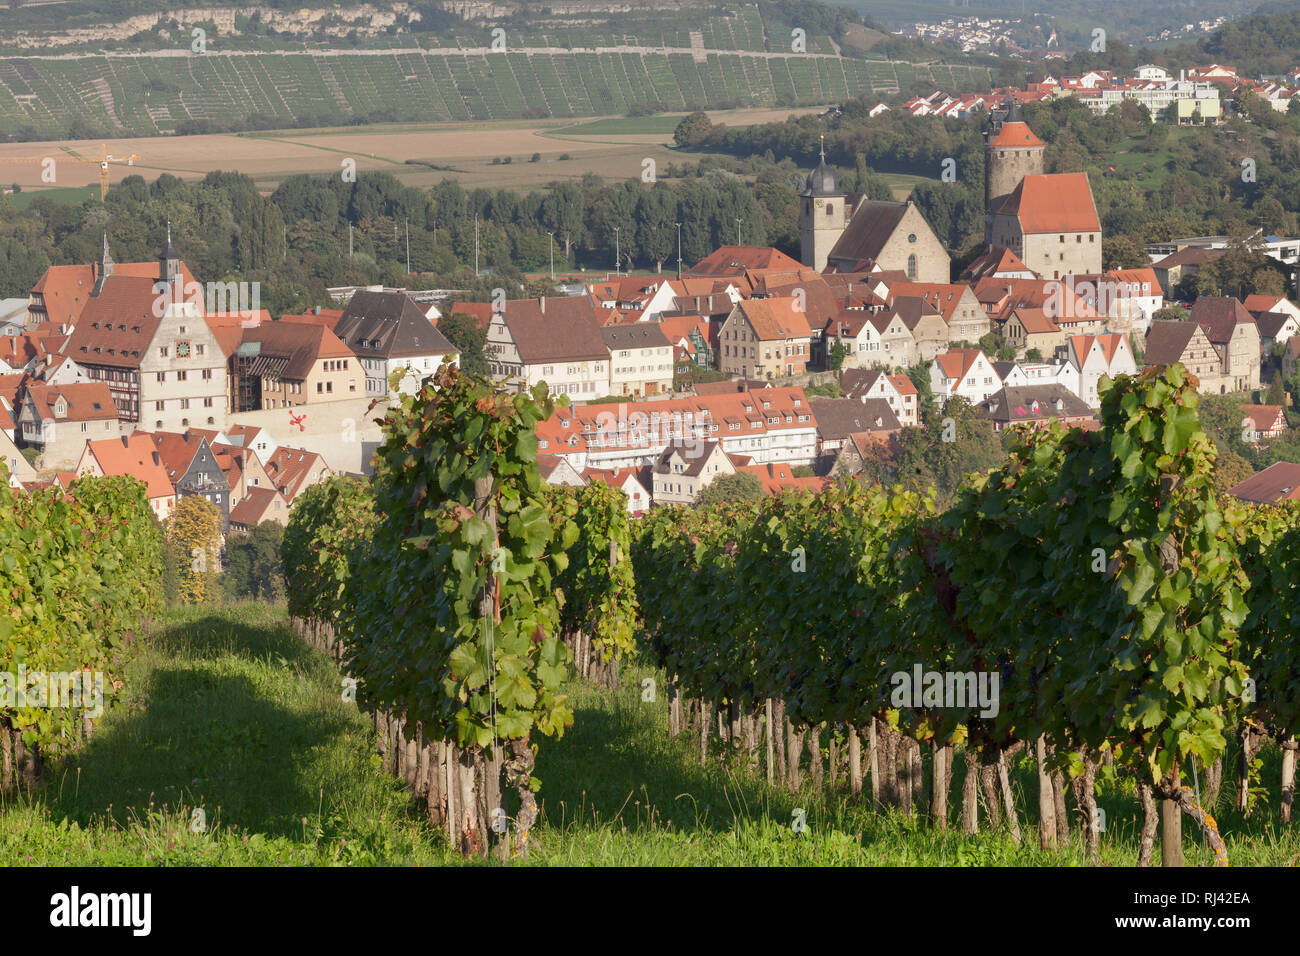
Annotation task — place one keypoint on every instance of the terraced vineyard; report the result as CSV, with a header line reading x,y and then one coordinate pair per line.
x,y
150,95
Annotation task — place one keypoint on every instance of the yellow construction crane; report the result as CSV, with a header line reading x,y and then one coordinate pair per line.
x,y
104,160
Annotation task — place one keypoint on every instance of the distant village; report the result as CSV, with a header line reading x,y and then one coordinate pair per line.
x,y
1013,36
1194,96
111,368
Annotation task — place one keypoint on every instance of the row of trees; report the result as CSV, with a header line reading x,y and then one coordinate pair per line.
x,y
80,574
1094,582
455,590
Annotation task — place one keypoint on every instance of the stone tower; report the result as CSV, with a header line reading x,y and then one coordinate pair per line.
x,y
823,214
1014,152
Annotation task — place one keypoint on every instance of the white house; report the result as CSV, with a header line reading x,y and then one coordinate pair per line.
x,y
555,340
1097,355
964,372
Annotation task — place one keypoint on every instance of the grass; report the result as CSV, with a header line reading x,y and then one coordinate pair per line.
x,y
74,195
226,711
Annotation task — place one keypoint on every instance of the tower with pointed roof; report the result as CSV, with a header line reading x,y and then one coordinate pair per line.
x,y
823,214
1014,152
170,261
105,268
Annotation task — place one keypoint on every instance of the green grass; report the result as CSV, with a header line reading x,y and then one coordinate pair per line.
x,y
73,195
226,711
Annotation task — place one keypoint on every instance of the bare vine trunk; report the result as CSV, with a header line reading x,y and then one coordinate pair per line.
x,y
1046,799
970,815
1150,823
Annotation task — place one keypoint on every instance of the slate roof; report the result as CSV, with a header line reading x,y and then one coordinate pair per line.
x,y
636,335
838,418
873,223
1219,316
1167,341
389,325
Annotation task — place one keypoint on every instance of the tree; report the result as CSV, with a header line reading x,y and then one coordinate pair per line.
x,y
253,567
1276,391
742,486
1170,313
1123,252
836,354
693,129
195,529
463,331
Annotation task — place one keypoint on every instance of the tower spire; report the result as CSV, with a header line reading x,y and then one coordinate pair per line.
x,y
822,137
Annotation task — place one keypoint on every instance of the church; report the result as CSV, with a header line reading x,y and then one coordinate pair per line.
x,y
1049,221
849,233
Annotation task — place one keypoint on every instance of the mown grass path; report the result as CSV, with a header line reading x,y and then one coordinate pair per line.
x,y
228,713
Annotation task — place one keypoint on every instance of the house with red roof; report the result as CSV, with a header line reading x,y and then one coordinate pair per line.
x,y
293,470
776,478
765,337
1097,355
258,505
684,469
635,483
727,261
551,339
769,424
1049,221
59,419
134,456
288,364
956,302
146,338
964,372
1277,483
193,469
1266,421
63,291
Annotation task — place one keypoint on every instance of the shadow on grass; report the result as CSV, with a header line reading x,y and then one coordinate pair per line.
x,y
617,766
230,722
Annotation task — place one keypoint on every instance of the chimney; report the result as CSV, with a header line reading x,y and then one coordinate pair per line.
x,y
316,310
541,302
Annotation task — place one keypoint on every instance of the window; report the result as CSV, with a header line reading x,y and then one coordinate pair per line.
x,y
162,351
180,376
162,376
207,403
159,406
320,388
911,267
198,350
207,374
185,403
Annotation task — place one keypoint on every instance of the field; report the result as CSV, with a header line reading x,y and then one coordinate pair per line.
x,y
228,712
143,95
613,147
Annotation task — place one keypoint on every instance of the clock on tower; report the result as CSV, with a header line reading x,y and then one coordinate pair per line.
x,y
182,349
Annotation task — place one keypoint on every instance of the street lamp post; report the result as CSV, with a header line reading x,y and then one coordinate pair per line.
x,y
552,235
616,253
679,250
738,222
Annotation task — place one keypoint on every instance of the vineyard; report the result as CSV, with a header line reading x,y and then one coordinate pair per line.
x,y
1102,610
80,576
145,96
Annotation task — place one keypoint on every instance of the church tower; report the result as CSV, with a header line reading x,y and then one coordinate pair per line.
x,y
823,215
1012,154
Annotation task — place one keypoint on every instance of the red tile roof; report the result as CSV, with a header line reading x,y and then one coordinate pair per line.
x,y
85,401
1277,482
737,260
1016,136
134,456
66,289
1059,202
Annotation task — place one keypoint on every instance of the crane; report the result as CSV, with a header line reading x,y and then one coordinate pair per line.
x,y
105,158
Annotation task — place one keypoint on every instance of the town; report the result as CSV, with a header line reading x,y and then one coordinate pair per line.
x,y
130,368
